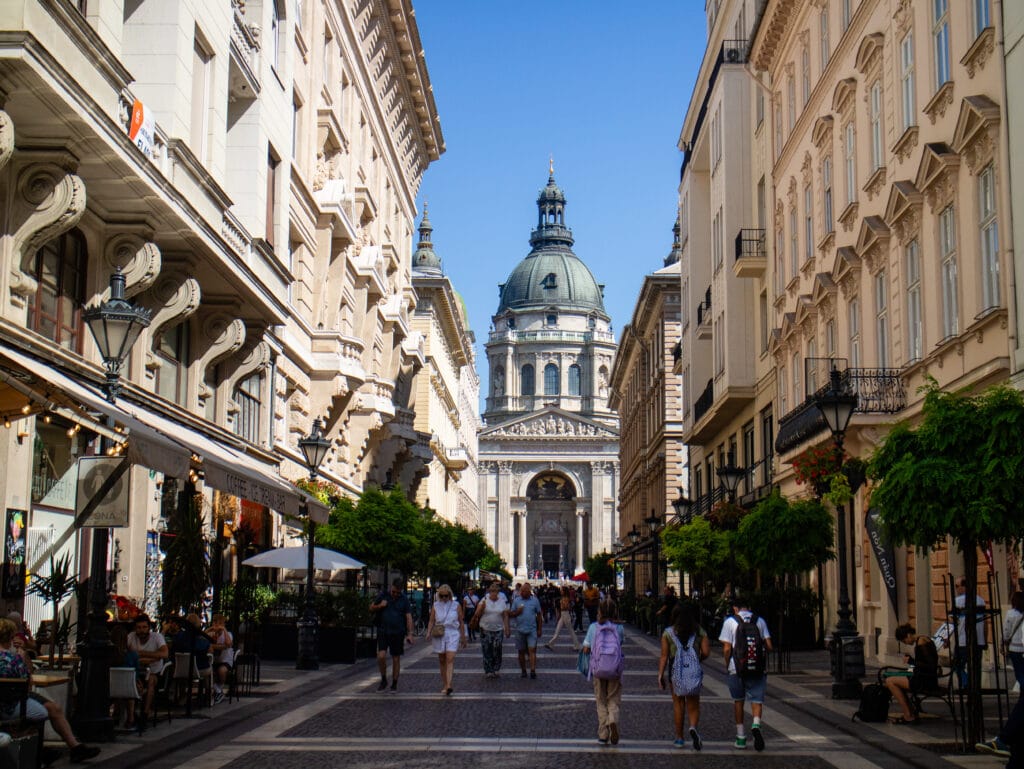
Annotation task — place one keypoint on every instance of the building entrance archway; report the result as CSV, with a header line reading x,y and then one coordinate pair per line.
x,y
551,502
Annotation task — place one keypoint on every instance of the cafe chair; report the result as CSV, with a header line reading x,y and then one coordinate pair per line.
x,y
123,689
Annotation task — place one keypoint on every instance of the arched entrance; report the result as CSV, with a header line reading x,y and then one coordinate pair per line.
x,y
550,520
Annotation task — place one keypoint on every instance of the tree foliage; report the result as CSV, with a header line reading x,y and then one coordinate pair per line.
x,y
600,569
187,565
780,537
697,547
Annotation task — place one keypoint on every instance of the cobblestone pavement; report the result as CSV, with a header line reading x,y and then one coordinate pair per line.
x,y
336,718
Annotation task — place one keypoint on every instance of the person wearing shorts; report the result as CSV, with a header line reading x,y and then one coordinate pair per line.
x,y
394,630
527,624
744,688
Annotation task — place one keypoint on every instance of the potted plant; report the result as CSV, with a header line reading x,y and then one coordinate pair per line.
x,y
55,588
815,465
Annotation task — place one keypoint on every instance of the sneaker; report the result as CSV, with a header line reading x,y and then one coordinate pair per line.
x,y
382,685
996,747
549,647
82,752
394,685
533,674
218,697
758,738
613,733
741,743
680,743
601,741
698,743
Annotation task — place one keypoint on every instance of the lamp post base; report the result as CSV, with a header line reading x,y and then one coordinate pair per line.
x,y
847,664
308,658
92,721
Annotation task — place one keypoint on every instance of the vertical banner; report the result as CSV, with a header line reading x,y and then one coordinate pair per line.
x,y
884,556
14,554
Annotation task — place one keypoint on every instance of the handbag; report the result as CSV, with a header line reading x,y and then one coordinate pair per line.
x,y
438,630
583,663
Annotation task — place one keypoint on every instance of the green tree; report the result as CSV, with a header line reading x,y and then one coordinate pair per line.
x,y
600,570
697,547
381,528
958,474
779,537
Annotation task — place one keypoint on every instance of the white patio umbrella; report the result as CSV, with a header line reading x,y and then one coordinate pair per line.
x,y
297,557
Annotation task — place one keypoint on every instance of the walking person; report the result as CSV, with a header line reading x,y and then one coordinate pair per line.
x,y
529,624
492,617
1012,733
745,640
960,652
591,599
604,645
684,646
394,630
564,622
469,603
447,631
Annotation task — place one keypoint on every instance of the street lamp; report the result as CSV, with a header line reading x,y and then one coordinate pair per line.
x,y
682,505
634,539
115,325
730,476
314,448
653,521
837,406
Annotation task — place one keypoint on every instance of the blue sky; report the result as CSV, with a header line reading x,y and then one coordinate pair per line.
x,y
601,86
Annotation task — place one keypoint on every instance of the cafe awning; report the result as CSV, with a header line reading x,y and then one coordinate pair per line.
x,y
153,439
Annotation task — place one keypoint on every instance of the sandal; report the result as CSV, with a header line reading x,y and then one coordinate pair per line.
x,y
901,721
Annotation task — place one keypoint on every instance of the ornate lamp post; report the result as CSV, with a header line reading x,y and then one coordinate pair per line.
x,y
634,540
653,522
115,325
314,448
837,406
681,505
729,475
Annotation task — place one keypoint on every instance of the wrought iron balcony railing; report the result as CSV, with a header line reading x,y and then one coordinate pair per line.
x,y
750,243
703,403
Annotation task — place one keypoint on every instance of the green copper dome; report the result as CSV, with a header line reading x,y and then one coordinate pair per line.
x,y
424,259
551,275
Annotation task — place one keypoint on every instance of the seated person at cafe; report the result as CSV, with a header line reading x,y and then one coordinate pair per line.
x,y
13,664
222,644
924,675
25,633
152,650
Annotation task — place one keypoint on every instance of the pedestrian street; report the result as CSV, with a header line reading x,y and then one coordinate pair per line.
x,y
338,719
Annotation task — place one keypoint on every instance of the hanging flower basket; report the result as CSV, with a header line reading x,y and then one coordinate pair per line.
x,y
725,515
814,465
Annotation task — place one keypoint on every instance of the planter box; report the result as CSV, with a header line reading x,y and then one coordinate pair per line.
x,y
334,644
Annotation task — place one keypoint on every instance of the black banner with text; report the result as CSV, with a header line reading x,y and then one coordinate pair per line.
x,y
884,556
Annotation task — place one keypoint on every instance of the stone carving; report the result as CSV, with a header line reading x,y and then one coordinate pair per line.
x,y
499,382
504,468
172,298
226,335
138,259
552,426
6,138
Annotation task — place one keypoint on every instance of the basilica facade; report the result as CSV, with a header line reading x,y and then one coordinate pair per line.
x,y
549,470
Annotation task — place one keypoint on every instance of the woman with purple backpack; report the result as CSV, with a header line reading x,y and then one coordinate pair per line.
x,y
684,646
604,645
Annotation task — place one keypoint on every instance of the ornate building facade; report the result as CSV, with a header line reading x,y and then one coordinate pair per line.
x,y
549,446
251,168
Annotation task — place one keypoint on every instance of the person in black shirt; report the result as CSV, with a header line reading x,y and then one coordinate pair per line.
x,y
925,673
394,629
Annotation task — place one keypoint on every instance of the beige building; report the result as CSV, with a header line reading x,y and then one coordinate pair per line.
x,y
1011,45
888,194
252,168
446,392
647,394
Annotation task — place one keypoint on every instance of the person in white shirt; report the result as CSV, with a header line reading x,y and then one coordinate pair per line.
x,y
152,650
746,687
960,653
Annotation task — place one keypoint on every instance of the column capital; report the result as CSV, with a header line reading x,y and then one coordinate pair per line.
x,y
505,468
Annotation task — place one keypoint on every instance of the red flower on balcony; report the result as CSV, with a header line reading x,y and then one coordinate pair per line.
x,y
815,464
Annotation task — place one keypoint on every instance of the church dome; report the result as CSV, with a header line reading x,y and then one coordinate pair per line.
x,y
551,274
424,260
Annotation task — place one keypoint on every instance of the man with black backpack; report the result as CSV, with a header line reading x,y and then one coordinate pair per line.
x,y
745,644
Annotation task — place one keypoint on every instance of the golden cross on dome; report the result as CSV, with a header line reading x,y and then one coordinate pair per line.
x,y
551,165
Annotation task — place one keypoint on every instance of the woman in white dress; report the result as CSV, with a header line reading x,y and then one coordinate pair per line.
x,y
446,613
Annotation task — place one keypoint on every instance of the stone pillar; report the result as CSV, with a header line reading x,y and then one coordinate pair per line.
x,y
580,514
598,525
503,519
521,522
487,516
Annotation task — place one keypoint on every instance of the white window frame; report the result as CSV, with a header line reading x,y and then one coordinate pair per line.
x,y
794,243
805,66
850,161
947,253
989,232
940,40
812,371
808,223
981,16
882,319
915,329
791,100
826,51
798,395
908,89
830,339
826,186
846,14
877,138
783,391
853,319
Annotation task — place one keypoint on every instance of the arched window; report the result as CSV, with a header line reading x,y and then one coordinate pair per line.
x,y
55,310
526,375
574,380
247,396
551,379
550,281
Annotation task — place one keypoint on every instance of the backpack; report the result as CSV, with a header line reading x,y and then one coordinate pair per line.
x,y
748,653
874,704
687,673
606,660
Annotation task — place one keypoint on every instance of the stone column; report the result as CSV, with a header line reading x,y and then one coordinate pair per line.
x,y
503,520
598,525
521,520
580,515
487,522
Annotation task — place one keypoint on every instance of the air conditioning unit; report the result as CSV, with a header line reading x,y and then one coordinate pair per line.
x,y
733,55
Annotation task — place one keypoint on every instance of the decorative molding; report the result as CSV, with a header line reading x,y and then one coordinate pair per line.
x,y
903,16
977,132
869,54
875,183
6,138
906,143
980,51
257,359
936,175
172,298
846,271
552,426
843,96
224,335
137,258
822,131
903,211
849,216
937,105
873,243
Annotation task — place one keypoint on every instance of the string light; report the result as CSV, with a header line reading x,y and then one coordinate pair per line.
x,y
47,418
26,408
7,422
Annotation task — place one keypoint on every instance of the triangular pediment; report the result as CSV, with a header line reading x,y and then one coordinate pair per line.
x,y
805,310
847,261
936,159
789,325
977,113
550,422
824,288
903,195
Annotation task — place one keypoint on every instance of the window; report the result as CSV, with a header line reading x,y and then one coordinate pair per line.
x,y
808,224
853,313
812,368
764,321
716,240
761,204
783,392
749,457
877,150
907,96
552,319
989,238
550,281
823,32
328,54
202,98
794,245
947,250
778,124
798,394
759,107
830,339
247,396
826,185
940,37
847,14
780,263
915,340
981,15
719,337
882,319
275,34
55,310
791,101
172,351
850,161
551,379
716,137
526,376
805,74
272,164
767,443
574,379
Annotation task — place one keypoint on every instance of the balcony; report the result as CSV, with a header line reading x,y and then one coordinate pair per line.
x,y
879,391
512,336
734,52
245,56
704,401
704,316
456,459
751,255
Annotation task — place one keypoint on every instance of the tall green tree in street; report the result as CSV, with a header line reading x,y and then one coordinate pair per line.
x,y
382,528
600,569
959,474
781,538
699,548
